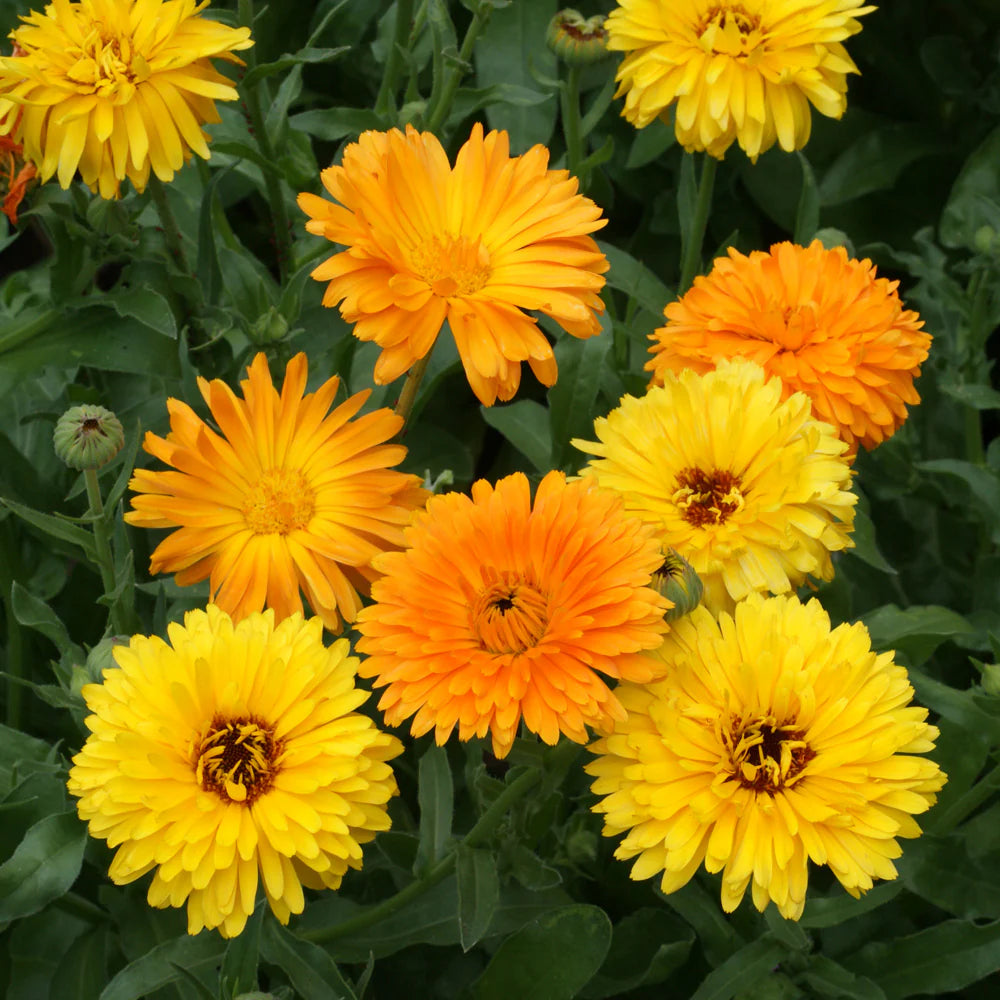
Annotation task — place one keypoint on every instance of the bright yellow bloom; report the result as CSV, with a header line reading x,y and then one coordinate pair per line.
x,y
476,244
751,490
821,321
289,495
498,610
231,751
744,70
114,88
771,740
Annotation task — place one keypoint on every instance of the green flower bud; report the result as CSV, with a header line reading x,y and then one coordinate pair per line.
x,y
268,328
87,437
990,675
985,239
678,582
577,40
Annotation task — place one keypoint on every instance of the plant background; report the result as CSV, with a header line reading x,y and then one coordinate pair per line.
x,y
93,308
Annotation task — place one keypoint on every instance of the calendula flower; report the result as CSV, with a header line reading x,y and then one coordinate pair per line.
x,y
289,495
770,741
821,321
229,752
115,88
476,244
751,490
498,610
16,175
743,70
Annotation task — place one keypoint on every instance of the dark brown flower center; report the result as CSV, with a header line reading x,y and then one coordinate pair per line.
x,y
509,615
237,759
765,756
707,497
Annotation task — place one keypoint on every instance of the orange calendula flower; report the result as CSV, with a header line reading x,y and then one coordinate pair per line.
x,y
821,321
476,244
290,495
498,610
734,70
771,740
115,88
16,174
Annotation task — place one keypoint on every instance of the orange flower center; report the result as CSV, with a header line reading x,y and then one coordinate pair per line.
x,y
707,497
279,502
509,615
792,327
729,29
108,65
765,756
451,265
236,759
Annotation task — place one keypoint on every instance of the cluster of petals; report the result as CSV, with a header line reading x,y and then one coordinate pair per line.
x,y
15,176
232,755
771,740
500,610
475,245
734,70
749,488
290,496
823,322
115,88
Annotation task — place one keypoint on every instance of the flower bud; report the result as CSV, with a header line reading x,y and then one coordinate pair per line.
x,y
87,437
577,40
268,328
678,582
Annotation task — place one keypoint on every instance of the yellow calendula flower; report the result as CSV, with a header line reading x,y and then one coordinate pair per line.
x,y
734,70
233,754
115,88
771,741
752,491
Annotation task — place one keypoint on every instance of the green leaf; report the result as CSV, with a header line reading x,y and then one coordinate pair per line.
x,y
310,969
984,484
82,971
940,959
161,965
32,612
829,979
478,893
525,424
512,51
865,547
239,965
940,870
979,397
649,143
549,959
830,911
959,706
741,971
332,124
469,101
716,934
43,867
975,196
147,306
807,216
435,796
572,398
916,631
16,748
306,56
636,280
55,527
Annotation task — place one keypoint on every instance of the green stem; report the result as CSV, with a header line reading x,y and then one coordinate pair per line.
x,y
77,906
171,231
15,659
476,836
258,129
386,100
570,100
102,538
413,379
440,106
691,263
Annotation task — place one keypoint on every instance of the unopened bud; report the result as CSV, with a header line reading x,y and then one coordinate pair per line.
x,y
577,40
87,437
269,327
678,582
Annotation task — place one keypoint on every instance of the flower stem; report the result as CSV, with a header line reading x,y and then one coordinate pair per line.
x,y
695,237
386,100
171,231
258,130
413,379
15,660
102,539
440,104
570,102
476,836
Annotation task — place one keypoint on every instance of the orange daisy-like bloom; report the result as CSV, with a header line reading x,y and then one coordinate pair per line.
x,y
821,321
475,245
16,176
734,70
498,610
289,495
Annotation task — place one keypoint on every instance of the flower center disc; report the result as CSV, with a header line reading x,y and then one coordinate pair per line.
x,y
707,497
730,30
510,616
236,759
452,266
279,502
108,65
766,757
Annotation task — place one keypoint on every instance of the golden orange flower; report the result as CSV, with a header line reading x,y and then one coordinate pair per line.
x,y
476,244
821,321
16,175
743,70
498,610
289,495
